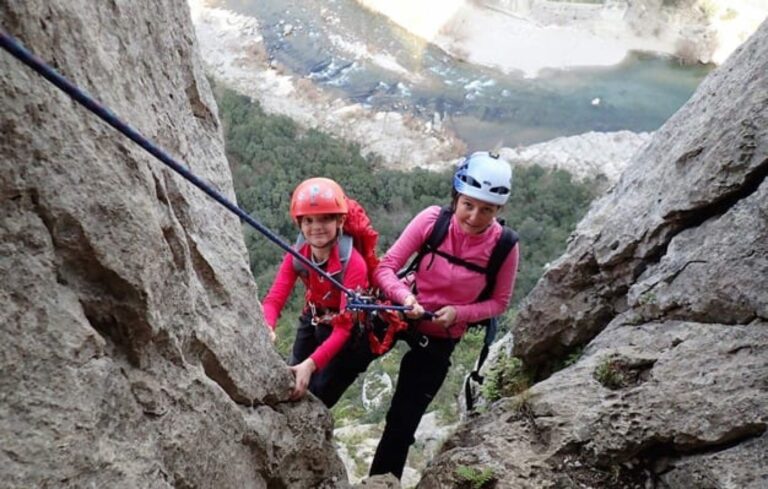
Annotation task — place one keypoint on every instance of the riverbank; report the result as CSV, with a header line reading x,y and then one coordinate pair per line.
x,y
233,51
542,34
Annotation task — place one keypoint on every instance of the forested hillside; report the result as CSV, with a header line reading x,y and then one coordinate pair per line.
x,y
270,155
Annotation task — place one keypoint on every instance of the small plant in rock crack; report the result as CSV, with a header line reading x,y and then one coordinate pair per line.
x,y
573,357
472,478
569,360
610,373
521,404
647,298
506,378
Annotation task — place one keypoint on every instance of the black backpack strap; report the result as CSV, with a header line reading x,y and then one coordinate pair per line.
x,y
501,250
458,261
435,238
490,335
440,230
491,328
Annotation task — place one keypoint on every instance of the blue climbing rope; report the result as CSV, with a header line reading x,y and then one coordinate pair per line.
x,y
15,48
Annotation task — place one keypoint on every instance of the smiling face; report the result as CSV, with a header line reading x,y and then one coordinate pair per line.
x,y
474,216
320,230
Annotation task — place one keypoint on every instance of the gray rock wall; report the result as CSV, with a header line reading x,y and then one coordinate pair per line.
x,y
134,353
701,169
663,292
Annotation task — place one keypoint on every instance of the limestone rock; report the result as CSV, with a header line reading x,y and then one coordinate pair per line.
x,y
588,155
387,481
663,291
134,350
704,162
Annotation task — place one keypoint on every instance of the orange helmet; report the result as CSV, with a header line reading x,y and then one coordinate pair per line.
x,y
317,196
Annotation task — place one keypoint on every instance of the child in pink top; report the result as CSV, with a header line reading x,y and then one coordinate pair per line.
x,y
319,207
450,291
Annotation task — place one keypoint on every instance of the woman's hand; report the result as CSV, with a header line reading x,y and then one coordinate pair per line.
x,y
417,310
272,335
445,316
302,372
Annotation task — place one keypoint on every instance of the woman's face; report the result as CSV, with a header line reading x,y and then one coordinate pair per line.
x,y
320,230
474,215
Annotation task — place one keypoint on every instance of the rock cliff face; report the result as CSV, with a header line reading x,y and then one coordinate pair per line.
x,y
133,352
663,291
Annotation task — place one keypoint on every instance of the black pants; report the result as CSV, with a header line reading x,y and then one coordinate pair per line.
x,y
330,383
422,372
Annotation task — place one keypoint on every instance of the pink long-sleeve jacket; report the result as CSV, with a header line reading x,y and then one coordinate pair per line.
x,y
441,283
320,292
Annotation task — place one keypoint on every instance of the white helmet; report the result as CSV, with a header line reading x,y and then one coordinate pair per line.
x,y
483,176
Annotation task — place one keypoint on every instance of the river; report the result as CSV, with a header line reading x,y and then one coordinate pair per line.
x,y
366,58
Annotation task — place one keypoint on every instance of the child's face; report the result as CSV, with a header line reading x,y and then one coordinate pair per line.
x,y
320,231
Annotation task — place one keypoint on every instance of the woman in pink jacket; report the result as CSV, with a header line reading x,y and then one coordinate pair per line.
x,y
481,186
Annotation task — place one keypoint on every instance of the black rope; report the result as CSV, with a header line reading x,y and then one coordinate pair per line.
x,y
14,47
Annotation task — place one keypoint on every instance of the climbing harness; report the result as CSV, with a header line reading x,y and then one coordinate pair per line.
x,y
320,316
15,48
383,326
